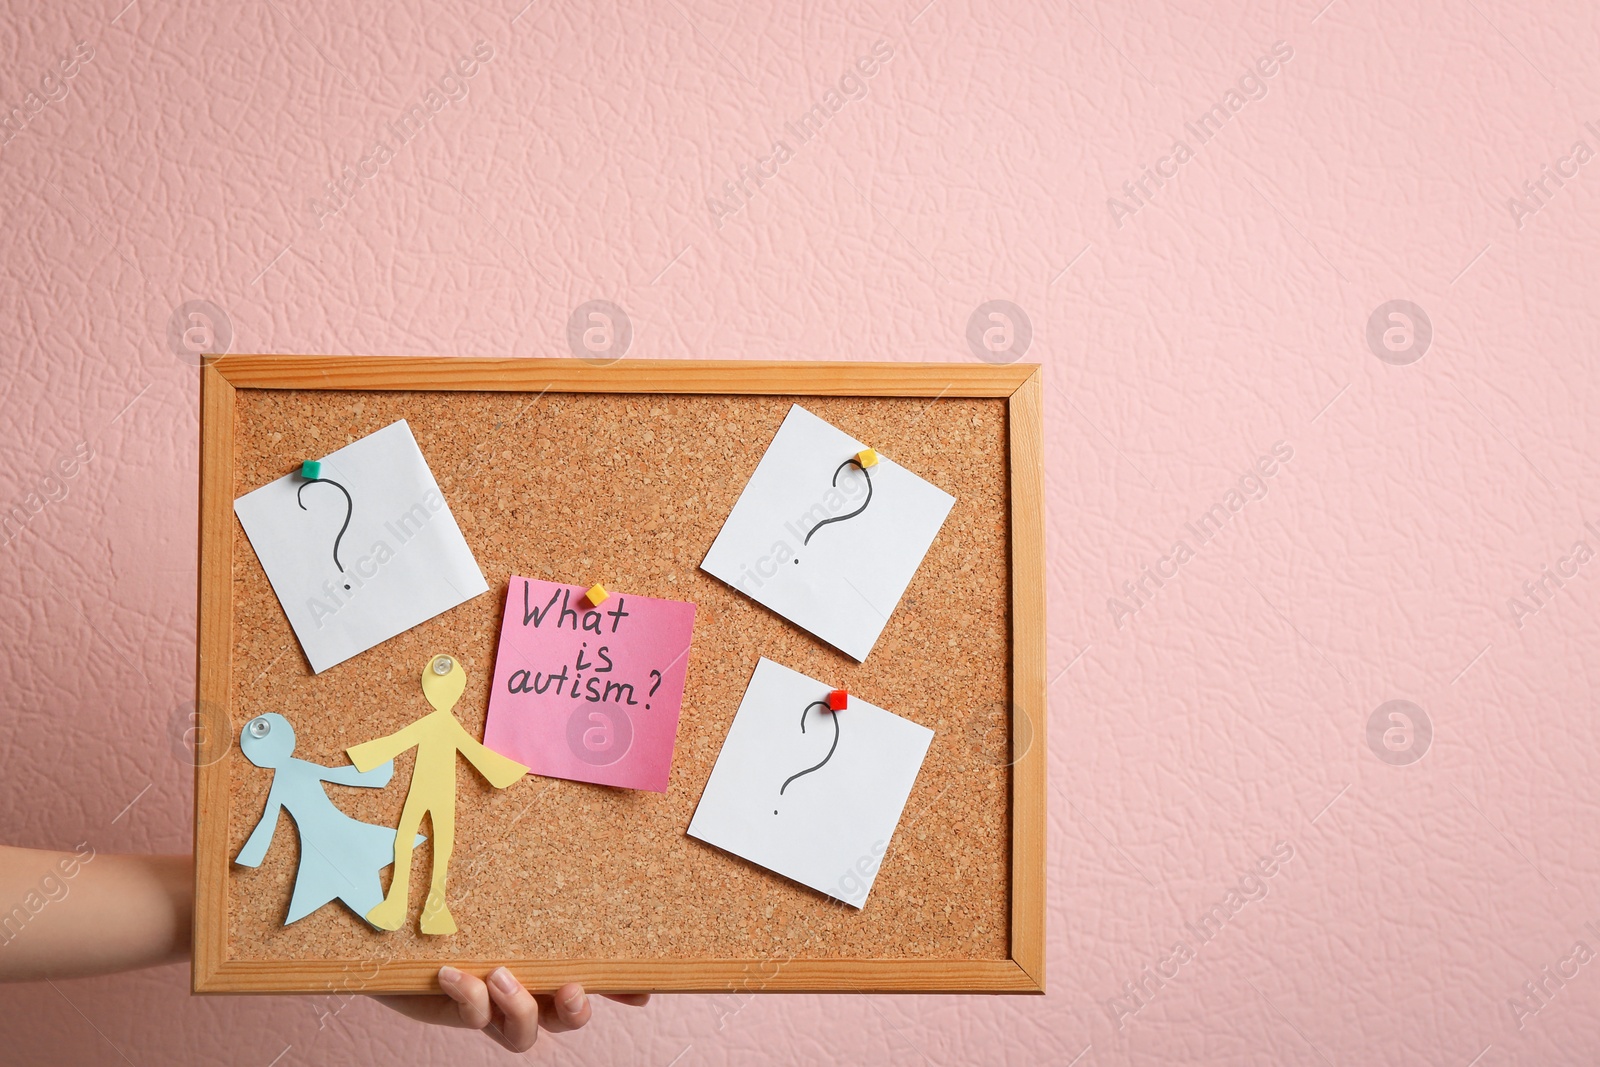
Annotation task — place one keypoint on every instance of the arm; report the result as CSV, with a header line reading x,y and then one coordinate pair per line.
x,y
500,770
369,754
260,839
376,778
79,913
111,913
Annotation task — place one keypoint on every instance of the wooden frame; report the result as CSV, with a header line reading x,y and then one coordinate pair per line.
x,y
1023,972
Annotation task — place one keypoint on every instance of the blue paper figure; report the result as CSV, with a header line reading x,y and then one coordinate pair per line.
x,y
340,857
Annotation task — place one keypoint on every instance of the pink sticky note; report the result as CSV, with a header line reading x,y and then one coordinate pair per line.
x,y
590,694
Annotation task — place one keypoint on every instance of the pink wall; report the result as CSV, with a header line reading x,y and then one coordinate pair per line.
x,y
1182,340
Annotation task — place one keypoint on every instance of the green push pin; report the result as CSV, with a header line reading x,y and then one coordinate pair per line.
x,y
311,469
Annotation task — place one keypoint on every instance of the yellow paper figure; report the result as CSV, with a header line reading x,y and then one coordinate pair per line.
x,y
437,738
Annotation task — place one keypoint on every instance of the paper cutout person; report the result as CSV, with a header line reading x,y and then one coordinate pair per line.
x,y
340,857
437,738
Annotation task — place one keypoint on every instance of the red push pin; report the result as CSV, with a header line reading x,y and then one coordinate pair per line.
x,y
838,700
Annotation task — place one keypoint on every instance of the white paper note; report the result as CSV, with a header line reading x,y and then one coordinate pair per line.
x,y
366,552
828,546
818,806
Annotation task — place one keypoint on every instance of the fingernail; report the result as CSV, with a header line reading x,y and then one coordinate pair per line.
x,y
448,979
574,1004
504,981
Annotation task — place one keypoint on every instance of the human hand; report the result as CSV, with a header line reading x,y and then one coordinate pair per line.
x,y
502,1008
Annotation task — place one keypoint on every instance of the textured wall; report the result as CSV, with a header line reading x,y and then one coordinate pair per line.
x,y
1186,329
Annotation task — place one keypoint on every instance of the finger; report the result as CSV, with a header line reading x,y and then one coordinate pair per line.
x,y
470,995
519,1029
572,1008
549,1017
632,1000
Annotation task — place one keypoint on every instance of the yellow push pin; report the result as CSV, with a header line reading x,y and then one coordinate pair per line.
x,y
867,457
596,595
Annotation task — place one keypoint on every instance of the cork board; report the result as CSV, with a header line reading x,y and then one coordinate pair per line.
x,y
561,470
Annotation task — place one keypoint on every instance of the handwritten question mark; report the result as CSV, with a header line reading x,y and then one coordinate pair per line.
x,y
840,518
823,704
654,686
349,509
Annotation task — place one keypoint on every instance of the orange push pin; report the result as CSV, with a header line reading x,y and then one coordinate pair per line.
x,y
596,595
838,700
867,457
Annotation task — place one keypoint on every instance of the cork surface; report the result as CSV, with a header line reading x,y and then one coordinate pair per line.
x,y
630,490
